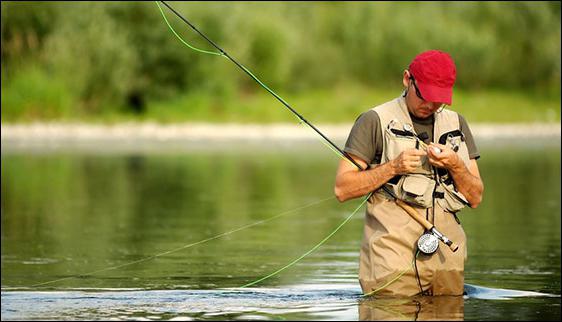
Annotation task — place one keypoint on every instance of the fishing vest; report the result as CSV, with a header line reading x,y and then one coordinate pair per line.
x,y
426,183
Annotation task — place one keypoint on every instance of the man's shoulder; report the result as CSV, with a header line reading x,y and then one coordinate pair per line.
x,y
462,119
368,117
371,116
386,105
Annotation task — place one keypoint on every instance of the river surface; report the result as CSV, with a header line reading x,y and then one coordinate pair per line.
x,y
173,233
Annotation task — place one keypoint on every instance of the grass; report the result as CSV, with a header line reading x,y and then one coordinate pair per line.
x,y
495,106
34,99
34,95
344,104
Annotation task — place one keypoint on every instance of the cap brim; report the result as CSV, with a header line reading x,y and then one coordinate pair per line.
x,y
436,94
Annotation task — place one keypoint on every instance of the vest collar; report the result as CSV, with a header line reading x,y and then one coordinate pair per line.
x,y
406,113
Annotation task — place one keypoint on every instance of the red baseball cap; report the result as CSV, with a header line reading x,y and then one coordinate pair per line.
x,y
435,74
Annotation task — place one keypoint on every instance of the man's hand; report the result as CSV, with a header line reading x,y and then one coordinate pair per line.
x,y
442,156
466,177
408,161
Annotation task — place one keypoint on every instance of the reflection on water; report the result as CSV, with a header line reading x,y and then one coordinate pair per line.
x,y
447,308
65,214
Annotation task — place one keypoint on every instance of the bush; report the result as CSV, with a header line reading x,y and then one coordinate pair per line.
x,y
116,56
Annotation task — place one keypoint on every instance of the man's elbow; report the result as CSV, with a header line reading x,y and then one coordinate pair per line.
x,y
476,200
474,203
339,194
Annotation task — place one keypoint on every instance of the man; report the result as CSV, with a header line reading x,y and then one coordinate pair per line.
x,y
416,151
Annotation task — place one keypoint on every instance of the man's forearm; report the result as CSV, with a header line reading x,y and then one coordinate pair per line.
x,y
355,184
467,184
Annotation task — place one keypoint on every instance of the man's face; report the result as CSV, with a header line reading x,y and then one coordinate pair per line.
x,y
417,105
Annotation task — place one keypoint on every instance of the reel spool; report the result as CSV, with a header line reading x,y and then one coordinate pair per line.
x,y
428,243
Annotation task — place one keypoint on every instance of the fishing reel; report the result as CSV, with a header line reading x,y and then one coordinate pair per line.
x,y
428,243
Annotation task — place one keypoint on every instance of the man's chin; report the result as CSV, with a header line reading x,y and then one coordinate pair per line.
x,y
423,115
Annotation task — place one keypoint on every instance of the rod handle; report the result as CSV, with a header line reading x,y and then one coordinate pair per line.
x,y
453,247
413,213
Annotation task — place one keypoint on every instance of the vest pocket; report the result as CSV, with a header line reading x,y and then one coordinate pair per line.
x,y
416,189
453,201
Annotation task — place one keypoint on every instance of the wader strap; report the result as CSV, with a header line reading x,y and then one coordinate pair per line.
x,y
440,195
395,179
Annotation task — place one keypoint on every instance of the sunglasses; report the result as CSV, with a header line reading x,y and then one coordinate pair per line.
x,y
419,95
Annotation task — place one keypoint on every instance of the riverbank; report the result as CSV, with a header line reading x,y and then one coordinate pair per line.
x,y
50,135
47,132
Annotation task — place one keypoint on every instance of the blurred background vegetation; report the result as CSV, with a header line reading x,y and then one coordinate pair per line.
x,y
118,61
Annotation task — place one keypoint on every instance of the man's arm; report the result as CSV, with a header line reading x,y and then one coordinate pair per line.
x,y
352,182
467,179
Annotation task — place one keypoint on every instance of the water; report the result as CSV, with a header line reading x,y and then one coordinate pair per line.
x,y
68,212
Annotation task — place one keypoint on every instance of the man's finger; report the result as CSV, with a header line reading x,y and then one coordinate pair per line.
x,y
413,158
414,152
414,164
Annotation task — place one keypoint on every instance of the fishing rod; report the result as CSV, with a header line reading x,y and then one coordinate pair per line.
x,y
292,110
428,241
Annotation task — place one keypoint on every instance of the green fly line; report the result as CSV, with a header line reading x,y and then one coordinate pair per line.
x,y
311,250
301,120
181,39
373,292
223,54
292,211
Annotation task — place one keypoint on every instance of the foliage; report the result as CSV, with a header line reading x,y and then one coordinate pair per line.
x,y
120,57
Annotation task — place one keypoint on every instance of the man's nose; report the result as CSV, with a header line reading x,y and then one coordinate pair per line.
x,y
434,105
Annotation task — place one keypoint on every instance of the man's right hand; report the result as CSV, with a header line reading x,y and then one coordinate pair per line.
x,y
408,161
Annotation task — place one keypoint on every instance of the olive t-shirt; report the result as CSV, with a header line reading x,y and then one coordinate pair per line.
x,y
365,139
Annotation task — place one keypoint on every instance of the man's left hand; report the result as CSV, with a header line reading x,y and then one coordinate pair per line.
x,y
446,158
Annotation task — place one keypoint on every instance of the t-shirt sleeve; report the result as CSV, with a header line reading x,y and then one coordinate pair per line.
x,y
364,139
469,139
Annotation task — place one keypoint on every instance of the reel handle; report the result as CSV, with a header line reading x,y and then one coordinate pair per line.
x,y
426,224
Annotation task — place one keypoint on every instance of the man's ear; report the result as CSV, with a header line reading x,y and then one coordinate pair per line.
x,y
406,78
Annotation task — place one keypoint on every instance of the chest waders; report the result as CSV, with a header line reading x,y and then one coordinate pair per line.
x,y
391,239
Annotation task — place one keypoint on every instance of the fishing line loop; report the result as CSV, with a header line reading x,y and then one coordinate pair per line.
x,y
301,120
294,211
